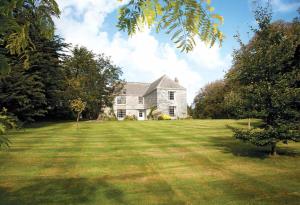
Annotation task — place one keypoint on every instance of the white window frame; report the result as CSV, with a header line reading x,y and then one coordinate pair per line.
x,y
121,113
174,109
141,100
169,95
119,100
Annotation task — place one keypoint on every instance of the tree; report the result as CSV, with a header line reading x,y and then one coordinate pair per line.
x,y
209,102
78,106
16,18
22,92
233,102
46,59
93,78
267,70
183,20
38,91
6,122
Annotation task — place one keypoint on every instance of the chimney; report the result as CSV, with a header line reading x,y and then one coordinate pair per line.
x,y
176,80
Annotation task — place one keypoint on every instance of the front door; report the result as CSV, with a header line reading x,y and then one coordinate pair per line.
x,y
141,115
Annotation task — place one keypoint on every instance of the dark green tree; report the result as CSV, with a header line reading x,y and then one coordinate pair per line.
x,y
209,102
267,70
22,92
46,59
93,78
16,20
34,92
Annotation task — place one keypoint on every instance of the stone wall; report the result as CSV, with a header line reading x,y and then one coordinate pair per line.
x,y
179,102
151,100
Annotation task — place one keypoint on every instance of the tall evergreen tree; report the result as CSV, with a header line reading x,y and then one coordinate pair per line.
x,y
46,59
16,20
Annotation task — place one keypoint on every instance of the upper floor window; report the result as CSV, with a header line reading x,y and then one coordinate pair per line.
x,y
121,100
124,91
171,95
141,100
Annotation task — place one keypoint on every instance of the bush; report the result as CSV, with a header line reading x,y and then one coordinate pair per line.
x,y
130,118
164,117
107,117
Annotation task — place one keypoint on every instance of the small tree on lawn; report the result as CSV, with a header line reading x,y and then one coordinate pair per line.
x,y
78,106
267,71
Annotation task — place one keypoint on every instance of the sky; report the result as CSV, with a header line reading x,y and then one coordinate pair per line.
x,y
148,55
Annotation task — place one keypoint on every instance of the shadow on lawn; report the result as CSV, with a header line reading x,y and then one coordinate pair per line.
x,y
61,191
237,148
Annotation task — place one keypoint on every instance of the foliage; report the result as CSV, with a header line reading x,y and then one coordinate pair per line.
x,y
6,122
78,106
209,102
268,136
130,118
22,92
107,115
151,115
164,117
93,78
267,72
35,92
183,20
16,19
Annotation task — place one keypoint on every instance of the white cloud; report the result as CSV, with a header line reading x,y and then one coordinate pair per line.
x,y
142,57
284,5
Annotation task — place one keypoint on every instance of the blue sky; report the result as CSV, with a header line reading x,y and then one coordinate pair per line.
x,y
148,55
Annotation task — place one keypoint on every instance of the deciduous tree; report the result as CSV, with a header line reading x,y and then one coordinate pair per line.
x,y
267,69
183,20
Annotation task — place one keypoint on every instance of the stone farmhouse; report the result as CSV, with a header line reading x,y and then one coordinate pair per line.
x,y
167,95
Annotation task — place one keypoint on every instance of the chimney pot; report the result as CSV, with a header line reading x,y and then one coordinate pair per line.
x,y
176,80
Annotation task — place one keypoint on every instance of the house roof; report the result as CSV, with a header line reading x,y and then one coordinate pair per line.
x,y
137,89
163,82
142,89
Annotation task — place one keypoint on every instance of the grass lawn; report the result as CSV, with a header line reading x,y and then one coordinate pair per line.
x,y
151,162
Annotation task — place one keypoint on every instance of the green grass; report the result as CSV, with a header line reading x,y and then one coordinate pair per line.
x,y
153,162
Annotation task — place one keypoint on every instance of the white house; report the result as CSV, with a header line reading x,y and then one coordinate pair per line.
x,y
167,95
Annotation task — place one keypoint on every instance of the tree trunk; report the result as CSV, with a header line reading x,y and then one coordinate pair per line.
x,y
78,115
249,123
99,116
273,149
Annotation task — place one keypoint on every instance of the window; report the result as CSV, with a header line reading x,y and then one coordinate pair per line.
x,y
172,111
171,95
121,113
140,113
121,100
141,100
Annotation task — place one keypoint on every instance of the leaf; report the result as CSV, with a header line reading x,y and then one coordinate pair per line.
x,y
4,66
219,17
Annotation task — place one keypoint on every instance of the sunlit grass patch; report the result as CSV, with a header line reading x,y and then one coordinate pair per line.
x,y
151,162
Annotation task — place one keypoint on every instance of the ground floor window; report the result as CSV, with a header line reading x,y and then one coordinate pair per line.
x,y
172,111
121,113
140,113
